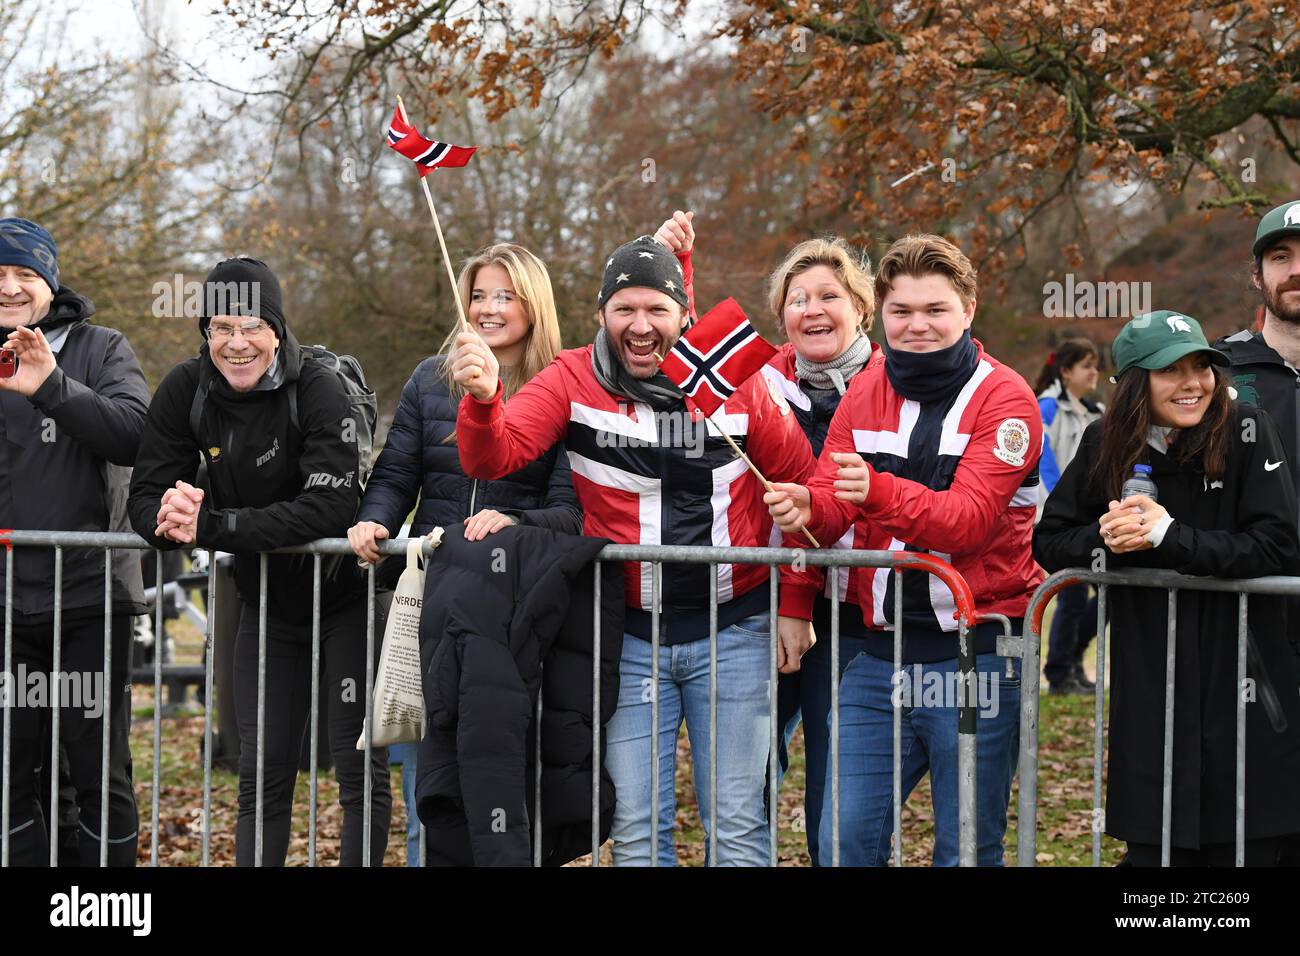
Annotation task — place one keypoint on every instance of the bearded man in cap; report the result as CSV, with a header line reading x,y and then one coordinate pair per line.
x,y
272,430
71,415
675,482
1266,364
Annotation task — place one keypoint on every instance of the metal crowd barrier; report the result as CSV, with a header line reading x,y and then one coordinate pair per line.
x,y
1032,642
656,555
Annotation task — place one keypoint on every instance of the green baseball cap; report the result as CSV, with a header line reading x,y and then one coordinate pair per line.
x,y
1279,222
1159,339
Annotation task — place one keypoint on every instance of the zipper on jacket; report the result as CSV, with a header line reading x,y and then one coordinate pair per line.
x,y
473,492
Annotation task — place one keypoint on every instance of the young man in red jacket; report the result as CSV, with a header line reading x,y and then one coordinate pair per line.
x,y
647,472
936,448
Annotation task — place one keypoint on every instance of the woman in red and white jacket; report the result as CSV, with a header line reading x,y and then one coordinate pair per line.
x,y
934,449
822,298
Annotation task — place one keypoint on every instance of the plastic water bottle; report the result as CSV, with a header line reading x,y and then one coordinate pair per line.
x,y
1139,483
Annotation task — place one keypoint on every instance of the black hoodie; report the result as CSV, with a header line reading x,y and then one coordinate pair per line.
x,y
270,485
65,456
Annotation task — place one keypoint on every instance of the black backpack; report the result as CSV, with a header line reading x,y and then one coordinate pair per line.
x,y
361,398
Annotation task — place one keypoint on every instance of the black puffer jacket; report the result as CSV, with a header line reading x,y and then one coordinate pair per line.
x,y
501,617
417,459
65,457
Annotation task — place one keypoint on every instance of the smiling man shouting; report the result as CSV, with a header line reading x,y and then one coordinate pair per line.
x,y
640,482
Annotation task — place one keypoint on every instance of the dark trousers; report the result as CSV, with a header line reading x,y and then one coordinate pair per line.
x,y
805,696
81,736
1267,852
1074,625
288,710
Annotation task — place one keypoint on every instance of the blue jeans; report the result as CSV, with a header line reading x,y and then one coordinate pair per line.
x,y
929,742
405,754
743,729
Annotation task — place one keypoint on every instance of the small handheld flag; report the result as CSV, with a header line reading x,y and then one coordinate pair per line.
x,y
713,359
427,154
716,356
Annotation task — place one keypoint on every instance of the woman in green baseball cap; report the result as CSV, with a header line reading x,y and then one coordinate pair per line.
x,y
1222,507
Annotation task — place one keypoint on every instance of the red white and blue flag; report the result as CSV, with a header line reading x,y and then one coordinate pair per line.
x,y
716,356
425,153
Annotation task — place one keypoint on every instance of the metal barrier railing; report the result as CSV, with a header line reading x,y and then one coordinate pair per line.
x,y
1172,582
656,555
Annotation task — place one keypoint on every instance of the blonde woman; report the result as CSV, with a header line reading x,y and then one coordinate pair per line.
x,y
506,293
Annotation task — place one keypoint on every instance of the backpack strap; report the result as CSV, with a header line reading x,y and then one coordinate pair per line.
x,y
196,409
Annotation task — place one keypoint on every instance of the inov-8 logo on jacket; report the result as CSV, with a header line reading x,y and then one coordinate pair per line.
x,y
321,478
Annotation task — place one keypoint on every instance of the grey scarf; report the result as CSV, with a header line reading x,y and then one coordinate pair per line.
x,y
835,373
657,392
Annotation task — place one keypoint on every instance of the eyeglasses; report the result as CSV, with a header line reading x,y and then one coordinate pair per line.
x,y
226,330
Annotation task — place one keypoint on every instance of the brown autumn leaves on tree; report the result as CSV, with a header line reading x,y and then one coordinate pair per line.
x,y
1023,103
1009,108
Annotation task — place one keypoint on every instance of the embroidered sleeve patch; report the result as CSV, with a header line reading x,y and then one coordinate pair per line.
x,y
1013,442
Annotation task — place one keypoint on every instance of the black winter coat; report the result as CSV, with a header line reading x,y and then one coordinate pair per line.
x,y
270,485
502,617
417,460
65,463
1263,378
1246,528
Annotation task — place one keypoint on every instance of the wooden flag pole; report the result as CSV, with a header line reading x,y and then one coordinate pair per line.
x,y
442,244
745,458
758,474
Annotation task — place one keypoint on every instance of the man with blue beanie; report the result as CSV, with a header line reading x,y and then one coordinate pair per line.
x,y
71,416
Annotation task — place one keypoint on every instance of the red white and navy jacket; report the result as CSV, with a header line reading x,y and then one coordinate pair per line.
x,y
638,480
977,515
802,587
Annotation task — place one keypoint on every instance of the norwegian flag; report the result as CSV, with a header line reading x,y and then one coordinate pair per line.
x,y
426,154
715,356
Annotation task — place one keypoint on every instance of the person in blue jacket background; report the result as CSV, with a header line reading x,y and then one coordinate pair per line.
x,y
1067,378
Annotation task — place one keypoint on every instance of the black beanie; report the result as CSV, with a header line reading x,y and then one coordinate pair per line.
x,y
643,263
243,286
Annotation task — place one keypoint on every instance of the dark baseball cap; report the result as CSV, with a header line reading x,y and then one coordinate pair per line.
x,y
1277,223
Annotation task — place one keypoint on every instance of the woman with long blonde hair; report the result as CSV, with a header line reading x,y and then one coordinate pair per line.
x,y
505,291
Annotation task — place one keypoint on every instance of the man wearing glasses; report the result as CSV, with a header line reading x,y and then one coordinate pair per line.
x,y
276,477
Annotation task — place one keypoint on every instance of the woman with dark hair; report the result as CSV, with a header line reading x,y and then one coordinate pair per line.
x,y
1224,508
1067,378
